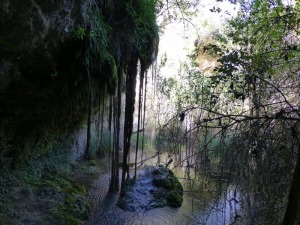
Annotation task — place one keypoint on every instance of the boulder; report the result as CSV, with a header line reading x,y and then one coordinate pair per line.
x,y
154,187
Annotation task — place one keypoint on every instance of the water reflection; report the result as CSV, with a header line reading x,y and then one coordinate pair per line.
x,y
205,201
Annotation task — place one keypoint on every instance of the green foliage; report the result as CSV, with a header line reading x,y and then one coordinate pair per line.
x,y
167,85
98,37
176,11
145,37
256,84
51,175
79,33
52,169
105,143
99,59
110,74
263,46
146,140
31,149
75,208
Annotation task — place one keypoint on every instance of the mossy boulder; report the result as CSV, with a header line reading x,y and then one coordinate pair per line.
x,y
165,179
154,187
174,198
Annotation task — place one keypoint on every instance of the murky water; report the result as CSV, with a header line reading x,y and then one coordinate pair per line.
x,y
204,202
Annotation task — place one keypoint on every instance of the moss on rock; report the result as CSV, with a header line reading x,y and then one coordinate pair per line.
x,y
75,208
174,198
155,187
165,179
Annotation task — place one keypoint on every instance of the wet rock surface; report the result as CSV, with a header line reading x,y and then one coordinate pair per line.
x,y
154,187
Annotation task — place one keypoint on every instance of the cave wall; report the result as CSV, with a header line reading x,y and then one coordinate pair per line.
x,y
43,81
32,33
54,56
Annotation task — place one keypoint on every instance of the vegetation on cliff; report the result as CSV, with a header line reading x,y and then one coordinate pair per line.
x,y
65,65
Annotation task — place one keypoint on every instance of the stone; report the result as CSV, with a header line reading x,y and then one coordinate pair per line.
x,y
154,187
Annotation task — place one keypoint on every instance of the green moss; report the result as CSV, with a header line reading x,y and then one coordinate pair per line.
x,y
145,38
43,108
77,189
50,101
174,198
110,74
56,181
170,182
75,208
114,73
65,216
92,163
165,179
48,181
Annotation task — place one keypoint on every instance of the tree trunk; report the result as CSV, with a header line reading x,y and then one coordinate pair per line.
x,y
294,194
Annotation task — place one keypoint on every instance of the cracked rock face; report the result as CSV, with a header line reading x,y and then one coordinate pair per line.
x,y
154,187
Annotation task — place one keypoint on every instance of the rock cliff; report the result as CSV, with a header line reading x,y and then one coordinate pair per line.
x,y
59,61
